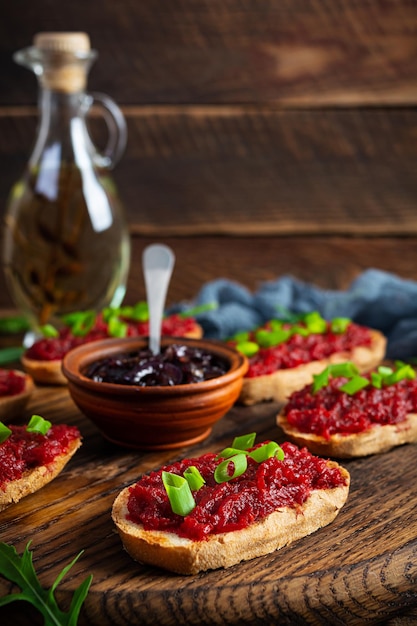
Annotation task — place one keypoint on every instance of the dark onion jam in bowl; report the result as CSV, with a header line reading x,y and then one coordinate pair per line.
x,y
156,415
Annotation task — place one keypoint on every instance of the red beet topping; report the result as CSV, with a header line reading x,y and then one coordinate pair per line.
x,y
331,411
236,504
299,350
24,451
11,384
55,348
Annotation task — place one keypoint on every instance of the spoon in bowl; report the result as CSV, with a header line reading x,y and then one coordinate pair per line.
x,y
158,262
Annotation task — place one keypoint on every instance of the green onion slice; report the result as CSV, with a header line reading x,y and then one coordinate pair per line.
x,y
38,424
13,324
267,451
354,384
315,323
179,493
5,432
244,441
346,370
200,308
8,355
140,312
48,330
194,478
116,327
243,335
338,325
226,453
239,463
247,348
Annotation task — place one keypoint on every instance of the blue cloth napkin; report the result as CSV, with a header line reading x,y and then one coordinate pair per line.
x,y
376,299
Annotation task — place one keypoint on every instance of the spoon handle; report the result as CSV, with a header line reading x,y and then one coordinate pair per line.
x,y
158,262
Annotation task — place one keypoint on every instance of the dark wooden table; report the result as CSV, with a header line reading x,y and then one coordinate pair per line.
x,y
361,569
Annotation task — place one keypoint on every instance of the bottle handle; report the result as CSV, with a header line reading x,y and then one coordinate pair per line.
x,y
117,128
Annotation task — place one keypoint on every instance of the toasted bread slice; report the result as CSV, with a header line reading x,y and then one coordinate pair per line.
x,y
185,556
375,440
44,372
50,372
12,406
34,479
279,385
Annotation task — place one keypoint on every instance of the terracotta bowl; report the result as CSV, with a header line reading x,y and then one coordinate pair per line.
x,y
158,417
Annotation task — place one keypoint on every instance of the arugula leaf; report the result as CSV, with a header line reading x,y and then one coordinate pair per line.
x,y
20,571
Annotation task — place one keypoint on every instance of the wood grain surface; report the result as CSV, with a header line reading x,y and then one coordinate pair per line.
x,y
244,116
360,569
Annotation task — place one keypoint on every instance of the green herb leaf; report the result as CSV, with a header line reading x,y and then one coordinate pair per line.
x,y
239,462
20,571
48,330
116,327
179,493
315,323
194,478
247,348
14,324
38,425
5,432
269,338
267,451
140,312
336,370
338,325
201,308
354,385
9,355
244,441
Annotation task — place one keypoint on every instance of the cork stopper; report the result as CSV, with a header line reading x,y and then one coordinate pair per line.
x,y
65,55
63,42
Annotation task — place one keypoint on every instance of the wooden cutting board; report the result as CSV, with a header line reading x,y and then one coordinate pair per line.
x,y
360,569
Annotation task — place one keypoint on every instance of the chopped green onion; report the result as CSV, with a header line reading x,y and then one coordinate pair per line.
x,y
269,338
376,380
226,453
140,312
247,348
298,329
385,371
267,451
48,330
244,441
38,424
116,327
239,462
346,370
5,432
179,493
321,380
339,325
13,325
241,336
315,323
194,478
354,384
201,308
8,355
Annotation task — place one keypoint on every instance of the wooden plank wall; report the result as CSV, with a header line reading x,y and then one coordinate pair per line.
x,y
245,116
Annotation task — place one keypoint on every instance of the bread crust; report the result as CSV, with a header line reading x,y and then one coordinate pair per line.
x,y
12,406
35,479
279,385
375,440
50,372
184,556
44,372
